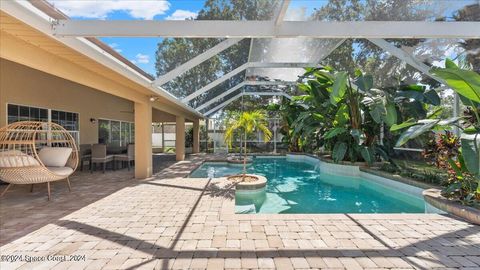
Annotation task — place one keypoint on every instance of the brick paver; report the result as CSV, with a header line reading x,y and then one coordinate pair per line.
x,y
169,222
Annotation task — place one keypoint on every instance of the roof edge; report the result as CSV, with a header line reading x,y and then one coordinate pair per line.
x,y
53,12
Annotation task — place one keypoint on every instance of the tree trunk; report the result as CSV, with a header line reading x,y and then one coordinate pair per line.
x,y
245,158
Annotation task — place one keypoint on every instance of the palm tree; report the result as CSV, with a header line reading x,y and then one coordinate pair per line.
x,y
246,123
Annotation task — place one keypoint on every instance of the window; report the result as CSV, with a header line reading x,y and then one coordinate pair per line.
x,y
68,120
103,131
16,113
115,133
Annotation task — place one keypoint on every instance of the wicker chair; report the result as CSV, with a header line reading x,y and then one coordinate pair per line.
x,y
21,145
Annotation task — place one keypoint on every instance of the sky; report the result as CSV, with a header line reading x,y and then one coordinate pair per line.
x,y
141,51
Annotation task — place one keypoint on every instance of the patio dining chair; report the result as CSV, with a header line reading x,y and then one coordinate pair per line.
x,y
128,157
99,156
85,155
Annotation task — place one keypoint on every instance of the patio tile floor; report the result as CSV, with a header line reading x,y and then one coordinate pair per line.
x,y
170,222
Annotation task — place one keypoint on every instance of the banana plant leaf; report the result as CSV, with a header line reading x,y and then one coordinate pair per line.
x,y
339,151
435,114
334,132
449,121
342,116
465,82
377,112
432,97
418,96
324,77
412,87
339,87
368,155
391,117
471,152
403,125
304,87
415,131
357,135
365,83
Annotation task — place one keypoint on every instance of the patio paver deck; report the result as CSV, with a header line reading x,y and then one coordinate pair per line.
x,y
169,222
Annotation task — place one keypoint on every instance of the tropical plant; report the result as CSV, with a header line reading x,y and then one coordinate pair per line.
x,y
343,114
288,113
189,137
441,148
246,123
466,84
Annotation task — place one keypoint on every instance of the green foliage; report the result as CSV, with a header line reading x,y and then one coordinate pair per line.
x,y
355,53
189,137
441,148
169,149
246,123
172,52
289,113
358,111
464,182
416,130
416,171
339,151
331,95
339,87
465,82
471,153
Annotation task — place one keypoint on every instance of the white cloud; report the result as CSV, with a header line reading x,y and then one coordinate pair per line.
x,y
180,15
145,9
115,46
141,59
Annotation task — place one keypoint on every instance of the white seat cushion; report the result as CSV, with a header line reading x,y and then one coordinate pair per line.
x,y
15,159
54,156
63,171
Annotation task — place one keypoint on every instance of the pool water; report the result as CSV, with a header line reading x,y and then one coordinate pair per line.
x,y
298,187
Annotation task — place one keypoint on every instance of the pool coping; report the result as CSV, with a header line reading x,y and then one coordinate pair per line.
x,y
361,167
434,197
434,204
228,212
348,169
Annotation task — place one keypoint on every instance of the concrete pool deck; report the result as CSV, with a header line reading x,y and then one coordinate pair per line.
x,y
168,222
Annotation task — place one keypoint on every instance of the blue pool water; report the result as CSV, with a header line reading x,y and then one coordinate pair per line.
x,y
298,187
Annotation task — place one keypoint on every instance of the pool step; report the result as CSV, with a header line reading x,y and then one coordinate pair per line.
x,y
245,209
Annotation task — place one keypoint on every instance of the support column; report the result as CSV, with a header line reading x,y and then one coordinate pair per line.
x,y
196,136
143,140
163,137
180,138
456,112
207,126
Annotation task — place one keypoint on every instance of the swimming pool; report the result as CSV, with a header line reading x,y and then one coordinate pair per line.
x,y
300,187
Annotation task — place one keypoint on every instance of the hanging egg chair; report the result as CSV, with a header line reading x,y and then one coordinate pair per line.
x,y
36,152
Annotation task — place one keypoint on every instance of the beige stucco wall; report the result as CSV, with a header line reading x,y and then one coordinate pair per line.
x,y
25,86
161,116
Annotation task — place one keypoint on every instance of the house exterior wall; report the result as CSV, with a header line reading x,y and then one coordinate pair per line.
x,y
30,87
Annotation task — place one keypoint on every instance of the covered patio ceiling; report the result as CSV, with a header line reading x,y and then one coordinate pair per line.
x,y
279,48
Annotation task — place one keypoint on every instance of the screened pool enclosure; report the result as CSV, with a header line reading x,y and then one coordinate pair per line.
x,y
255,51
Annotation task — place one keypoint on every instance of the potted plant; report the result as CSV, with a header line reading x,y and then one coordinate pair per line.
x,y
245,124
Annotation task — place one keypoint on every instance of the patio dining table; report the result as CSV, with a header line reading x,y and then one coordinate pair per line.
x,y
111,150
115,150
